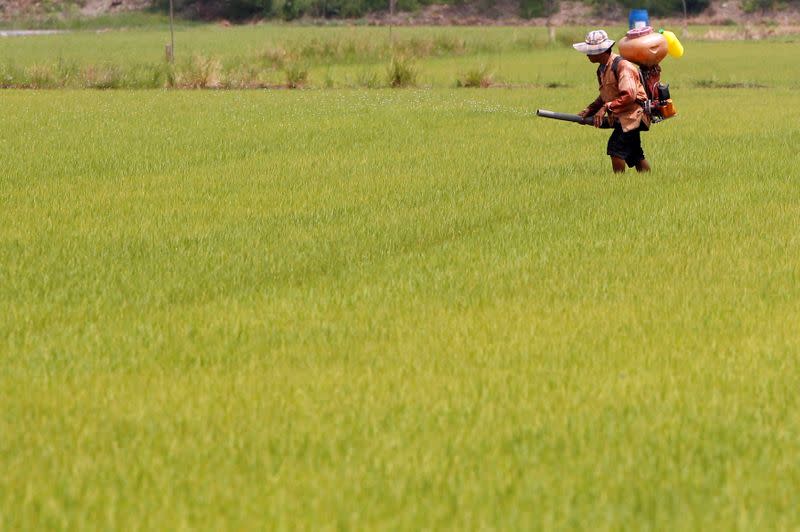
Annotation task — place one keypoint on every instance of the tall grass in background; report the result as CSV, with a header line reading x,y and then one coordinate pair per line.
x,y
264,56
336,57
137,20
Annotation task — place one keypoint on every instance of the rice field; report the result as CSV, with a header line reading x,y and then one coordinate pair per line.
x,y
401,309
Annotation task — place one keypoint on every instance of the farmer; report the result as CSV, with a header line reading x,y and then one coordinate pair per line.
x,y
622,96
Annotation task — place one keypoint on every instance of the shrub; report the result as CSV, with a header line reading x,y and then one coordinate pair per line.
x,y
401,73
537,8
296,76
199,73
10,76
654,7
231,9
150,76
449,45
276,57
414,47
476,77
102,77
346,8
368,79
243,76
752,6
41,77
293,9
66,71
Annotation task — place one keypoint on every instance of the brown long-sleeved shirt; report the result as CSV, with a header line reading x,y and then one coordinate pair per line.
x,y
621,93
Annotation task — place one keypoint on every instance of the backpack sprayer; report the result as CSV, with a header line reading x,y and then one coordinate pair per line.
x,y
645,48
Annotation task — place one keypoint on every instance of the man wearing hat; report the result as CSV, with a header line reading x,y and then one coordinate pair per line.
x,y
621,99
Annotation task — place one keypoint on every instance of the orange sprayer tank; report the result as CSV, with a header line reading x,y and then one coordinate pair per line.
x,y
643,46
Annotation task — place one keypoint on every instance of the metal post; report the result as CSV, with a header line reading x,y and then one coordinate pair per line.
x,y
171,54
392,4
685,18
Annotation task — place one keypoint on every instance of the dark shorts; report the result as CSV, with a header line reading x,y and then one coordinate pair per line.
x,y
627,146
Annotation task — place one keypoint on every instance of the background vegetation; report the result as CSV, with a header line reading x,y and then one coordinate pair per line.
x,y
654,7
349,57
69,11
69,14
292,9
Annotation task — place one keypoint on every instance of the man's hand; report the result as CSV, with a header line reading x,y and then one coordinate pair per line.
x,y
599,117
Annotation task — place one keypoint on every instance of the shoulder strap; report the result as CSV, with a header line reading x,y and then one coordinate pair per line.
x,y
615,65
615,68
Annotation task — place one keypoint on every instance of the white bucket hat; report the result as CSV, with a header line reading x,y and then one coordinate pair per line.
x,y
596,42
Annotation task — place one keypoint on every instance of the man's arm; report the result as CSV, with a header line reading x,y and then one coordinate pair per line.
x,y
592,108
627,77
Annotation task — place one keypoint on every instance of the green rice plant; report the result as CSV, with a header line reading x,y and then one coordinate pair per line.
x,y
401,72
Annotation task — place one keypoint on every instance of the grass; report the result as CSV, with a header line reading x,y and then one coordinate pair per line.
x,y
418,308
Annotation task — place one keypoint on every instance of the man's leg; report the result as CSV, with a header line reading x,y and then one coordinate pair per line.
x,y
616,149
618,164
634,145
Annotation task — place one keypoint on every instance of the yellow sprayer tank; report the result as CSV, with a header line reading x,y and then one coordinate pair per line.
x,y
674,46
